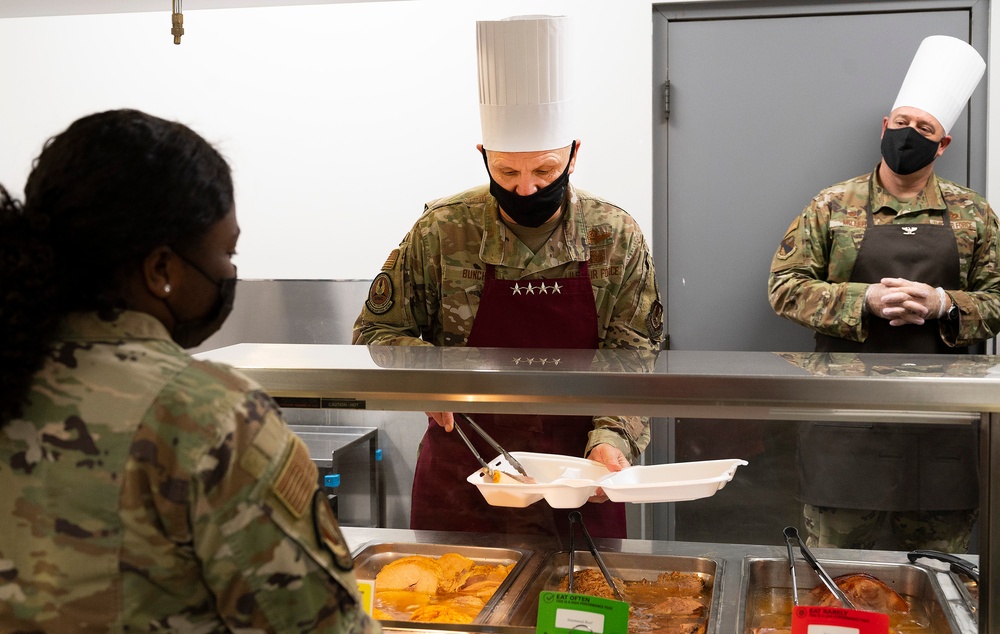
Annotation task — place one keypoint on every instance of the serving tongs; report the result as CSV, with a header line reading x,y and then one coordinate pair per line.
x,y
576,518
792,533
492,443
957,564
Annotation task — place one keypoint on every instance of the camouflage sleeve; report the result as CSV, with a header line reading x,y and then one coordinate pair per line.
x,y
254,516
396,304
628,434
799,285
636,323
636,320
979,303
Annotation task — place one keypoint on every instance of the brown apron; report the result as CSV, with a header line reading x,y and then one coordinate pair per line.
x,y
536,314
885,466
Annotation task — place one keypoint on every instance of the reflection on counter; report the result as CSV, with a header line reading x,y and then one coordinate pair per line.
x,y
897,365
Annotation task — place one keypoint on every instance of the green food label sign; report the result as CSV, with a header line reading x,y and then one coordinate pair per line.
x,y
565,613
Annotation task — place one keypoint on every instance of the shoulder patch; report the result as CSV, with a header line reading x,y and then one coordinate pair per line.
x,y
328,532
391,260
297,480
654,320
787,248
380,294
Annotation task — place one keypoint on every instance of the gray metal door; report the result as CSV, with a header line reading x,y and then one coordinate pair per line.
x,y
768,104
766,107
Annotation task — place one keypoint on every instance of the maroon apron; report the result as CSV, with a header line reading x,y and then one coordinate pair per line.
x,y
889,466
540,314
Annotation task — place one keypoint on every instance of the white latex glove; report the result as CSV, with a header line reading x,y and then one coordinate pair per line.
x,y
902,301
611,458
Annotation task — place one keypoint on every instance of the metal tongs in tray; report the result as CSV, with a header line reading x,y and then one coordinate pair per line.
x,y
792,533
957,564
479,430
576,518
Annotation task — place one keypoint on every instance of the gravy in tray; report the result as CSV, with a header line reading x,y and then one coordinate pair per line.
x,y
674,602
451,588
772,610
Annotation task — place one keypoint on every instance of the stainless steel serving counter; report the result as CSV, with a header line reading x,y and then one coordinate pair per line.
x,y
736,385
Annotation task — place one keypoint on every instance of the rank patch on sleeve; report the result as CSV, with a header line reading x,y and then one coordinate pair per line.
x,y
297,480
380,294
787,248
391,260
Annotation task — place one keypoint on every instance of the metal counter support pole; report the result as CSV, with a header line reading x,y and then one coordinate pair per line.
x,y
989,507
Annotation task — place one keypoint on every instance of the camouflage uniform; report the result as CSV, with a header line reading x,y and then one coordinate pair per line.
x,y
947,531
144,491
810,271
429,288
810,285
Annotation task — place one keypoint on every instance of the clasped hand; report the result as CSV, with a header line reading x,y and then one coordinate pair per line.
x,y
904,302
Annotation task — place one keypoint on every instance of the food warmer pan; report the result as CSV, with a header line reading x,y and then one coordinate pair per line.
x,y
766,594
633,568
370,558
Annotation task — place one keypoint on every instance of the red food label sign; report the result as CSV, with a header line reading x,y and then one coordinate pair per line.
x,y
809,619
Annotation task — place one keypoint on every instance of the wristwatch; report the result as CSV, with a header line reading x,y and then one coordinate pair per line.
x,y
952,314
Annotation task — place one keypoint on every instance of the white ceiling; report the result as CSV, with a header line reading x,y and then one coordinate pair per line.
x,y
31,8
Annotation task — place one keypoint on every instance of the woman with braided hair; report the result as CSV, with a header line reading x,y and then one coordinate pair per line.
x,y
140,489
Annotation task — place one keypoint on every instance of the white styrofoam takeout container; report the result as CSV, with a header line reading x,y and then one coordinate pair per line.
x,y
567,482
677,482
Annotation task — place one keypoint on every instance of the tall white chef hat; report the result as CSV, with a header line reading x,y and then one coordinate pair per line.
x,y
524,83
942,76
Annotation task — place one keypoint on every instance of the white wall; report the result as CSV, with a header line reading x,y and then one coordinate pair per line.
x,y
339,120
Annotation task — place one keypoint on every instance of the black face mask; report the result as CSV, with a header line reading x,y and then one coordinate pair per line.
x,y
535,209
906,151
189,333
